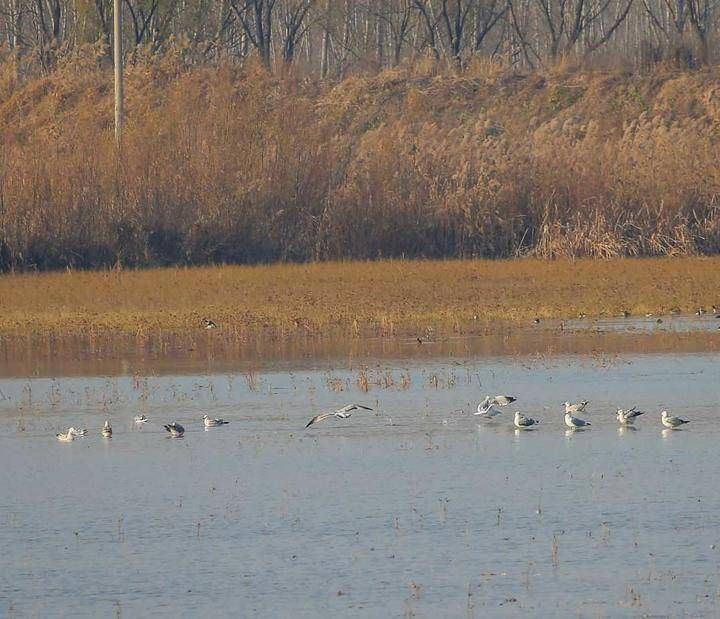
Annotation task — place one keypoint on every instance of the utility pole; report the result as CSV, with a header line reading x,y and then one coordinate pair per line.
x,y
117,54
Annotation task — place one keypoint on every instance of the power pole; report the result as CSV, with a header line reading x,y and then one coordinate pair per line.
x,y
117,54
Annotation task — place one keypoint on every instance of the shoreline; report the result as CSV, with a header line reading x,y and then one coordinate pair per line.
x,y
392,298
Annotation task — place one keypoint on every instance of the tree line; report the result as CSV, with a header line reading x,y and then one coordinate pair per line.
x,y
330,38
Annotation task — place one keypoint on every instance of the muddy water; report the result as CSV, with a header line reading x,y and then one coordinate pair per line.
x,y
414,509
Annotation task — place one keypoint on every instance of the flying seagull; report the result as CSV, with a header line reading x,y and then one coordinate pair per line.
x,y
522,422
627,416
576,408
107,430
341,413
486,408
670,421
175,429
212,423
575,422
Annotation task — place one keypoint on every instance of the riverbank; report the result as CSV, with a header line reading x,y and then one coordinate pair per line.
x,y
388,298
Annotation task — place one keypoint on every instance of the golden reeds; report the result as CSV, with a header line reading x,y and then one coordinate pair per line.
x,y
229,165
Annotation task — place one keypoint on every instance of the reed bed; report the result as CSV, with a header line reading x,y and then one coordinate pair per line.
x,y
231,165
350,299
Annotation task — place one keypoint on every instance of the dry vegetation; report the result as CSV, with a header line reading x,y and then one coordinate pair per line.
x,y
230,165
426,298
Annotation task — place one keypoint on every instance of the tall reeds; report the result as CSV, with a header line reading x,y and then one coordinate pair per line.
x,y
230,165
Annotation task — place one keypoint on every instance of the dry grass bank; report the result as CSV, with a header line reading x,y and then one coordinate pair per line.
x,y
385,297
228,165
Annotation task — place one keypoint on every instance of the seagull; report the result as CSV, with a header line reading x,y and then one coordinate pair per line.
x,y
670,421
522,422
575,422
107,430
68,437
626,416
209,324
486,408
341,413
140,419
212,423
579,407
76,432
175,429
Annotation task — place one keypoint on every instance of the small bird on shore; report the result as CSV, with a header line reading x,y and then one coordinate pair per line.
x,y
578,407
106,432
209,324
670,421
627,416
701,311
342,413
67,437
213,423
140,419
575,422
175,429
523,422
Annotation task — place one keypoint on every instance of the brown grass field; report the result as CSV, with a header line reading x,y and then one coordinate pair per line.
x,y
228,165
351,298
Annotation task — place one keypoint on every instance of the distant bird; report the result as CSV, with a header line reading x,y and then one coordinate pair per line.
x,y
659,321
107,430
212,423
486,408
626,314
716,309
582,315
140,419
536,321
522,422
701,311
76,432
209,324
175,429
578,407
575,422
627,416
670,421
68,437
342,413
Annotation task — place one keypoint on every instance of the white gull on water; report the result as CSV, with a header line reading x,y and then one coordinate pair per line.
x,y
670,421
627,416
575,422
576,408
522,421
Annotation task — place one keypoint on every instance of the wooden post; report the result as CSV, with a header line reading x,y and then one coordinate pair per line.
x,y
117,56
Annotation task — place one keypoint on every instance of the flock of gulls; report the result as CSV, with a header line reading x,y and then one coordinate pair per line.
x,y
489,408
173,429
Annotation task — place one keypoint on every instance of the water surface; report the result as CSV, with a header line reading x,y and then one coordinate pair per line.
x,y
415,509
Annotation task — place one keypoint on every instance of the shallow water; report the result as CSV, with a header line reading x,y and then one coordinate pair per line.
x,y
415,509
